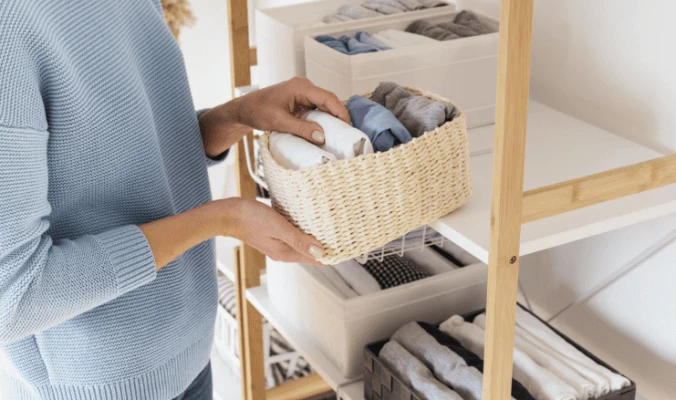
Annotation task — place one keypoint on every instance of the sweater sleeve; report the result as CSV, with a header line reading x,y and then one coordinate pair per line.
x,y
44,282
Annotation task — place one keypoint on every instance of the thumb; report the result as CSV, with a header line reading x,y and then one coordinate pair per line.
x,y
308,130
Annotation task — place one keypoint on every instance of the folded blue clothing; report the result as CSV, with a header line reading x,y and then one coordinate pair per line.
x,y
361,43
380,125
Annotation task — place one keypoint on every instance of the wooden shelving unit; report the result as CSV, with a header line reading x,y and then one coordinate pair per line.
x,y
580,181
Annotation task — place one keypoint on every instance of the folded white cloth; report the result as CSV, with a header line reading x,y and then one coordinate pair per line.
x,y
338,283
357,277
535,330
293,152
540,383
395,38
429,261
585,389
448,367
340,139
414,373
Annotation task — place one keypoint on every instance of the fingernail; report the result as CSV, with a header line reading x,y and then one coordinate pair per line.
x,y
316,252
318,136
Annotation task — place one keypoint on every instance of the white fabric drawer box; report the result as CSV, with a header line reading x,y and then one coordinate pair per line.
x,y
342,327
462,70
280,32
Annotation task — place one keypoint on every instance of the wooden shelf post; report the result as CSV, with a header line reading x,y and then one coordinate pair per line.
x,y
516,21
251,262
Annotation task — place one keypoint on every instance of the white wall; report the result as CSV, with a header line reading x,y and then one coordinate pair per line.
x,y
611,63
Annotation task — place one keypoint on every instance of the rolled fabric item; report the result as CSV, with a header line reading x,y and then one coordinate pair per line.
x,y
293,152
417,113
460,30
422,27
412,5
365,38
377,122
394,271
585,389
519,392
355,11
459,253
357,277
414,373
336,18
340,139
534,330
395,38
338,283
541,383
447,366
385,6
470,20
430,261
433,3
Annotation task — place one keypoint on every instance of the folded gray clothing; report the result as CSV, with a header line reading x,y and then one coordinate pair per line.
x,y
385,6
417,113
470,20
414,373
460,30
335,18
447,366
357,12
412,5
424,28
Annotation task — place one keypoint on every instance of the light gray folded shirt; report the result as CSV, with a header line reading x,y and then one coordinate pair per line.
x,y
414,373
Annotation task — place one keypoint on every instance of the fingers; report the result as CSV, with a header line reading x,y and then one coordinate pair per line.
x,y
324,100
310,131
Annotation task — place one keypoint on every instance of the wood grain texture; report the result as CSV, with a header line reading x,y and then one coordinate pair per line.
x,y
239,43
593,189
516,21
247,276
302,388
253,56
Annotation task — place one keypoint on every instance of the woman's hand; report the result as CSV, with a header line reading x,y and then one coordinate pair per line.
x,y
275,108
263,228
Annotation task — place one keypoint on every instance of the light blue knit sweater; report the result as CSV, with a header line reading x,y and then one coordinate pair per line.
x,y
97,134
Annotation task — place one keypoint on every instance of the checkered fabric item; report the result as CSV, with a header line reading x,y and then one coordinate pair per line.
x,y
394,271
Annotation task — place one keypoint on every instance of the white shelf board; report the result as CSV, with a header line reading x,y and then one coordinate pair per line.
x,y
558,148
259,298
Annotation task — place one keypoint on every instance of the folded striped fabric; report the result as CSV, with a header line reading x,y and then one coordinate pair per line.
x,y
226,295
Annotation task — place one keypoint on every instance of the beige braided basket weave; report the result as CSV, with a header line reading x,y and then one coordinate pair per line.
x,y
355,205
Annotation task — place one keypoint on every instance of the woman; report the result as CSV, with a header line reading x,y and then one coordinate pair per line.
x,y
107,275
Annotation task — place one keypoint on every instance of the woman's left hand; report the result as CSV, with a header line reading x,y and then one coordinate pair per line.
x,y
275,108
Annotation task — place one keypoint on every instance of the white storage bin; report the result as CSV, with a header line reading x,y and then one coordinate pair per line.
x,y
463,70
280,32
342,327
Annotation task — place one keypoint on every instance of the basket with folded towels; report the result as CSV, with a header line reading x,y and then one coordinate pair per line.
x,y
413,170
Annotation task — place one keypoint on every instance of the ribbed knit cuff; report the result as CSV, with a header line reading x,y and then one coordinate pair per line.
x,y
130,256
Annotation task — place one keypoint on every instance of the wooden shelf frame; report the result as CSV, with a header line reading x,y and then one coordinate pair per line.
x,y
511,206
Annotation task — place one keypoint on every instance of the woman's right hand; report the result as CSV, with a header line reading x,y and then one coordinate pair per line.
x,y
267,231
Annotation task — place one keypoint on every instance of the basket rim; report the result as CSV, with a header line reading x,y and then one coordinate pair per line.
x,y
459,120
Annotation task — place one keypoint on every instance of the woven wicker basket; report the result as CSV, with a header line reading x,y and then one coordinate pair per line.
x,y
355,205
